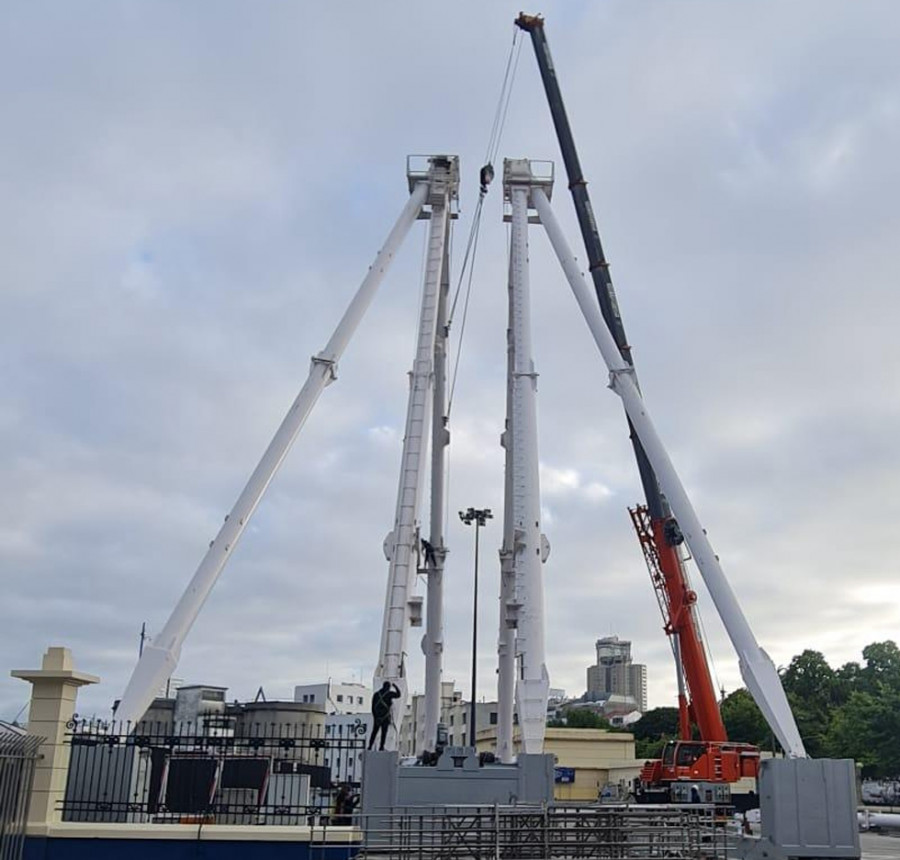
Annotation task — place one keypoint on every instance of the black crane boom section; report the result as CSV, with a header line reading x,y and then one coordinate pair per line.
x,y
599,267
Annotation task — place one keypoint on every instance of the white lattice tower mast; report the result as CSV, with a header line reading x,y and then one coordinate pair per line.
x,y
529,546
433,641
506,639
401,608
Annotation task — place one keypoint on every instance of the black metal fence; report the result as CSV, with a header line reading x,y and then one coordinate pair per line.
x,y
215,771
18,755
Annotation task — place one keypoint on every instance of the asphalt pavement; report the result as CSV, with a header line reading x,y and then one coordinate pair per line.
x,y
876,846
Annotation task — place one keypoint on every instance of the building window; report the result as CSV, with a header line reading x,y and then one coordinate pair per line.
x,y
493,718
340,698
464,718
359,700
328,730
451,719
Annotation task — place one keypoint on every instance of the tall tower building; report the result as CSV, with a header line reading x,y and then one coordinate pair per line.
x,y
615,675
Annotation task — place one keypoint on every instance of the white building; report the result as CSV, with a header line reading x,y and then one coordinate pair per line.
x,y
455,714
347,698
348,722
346,735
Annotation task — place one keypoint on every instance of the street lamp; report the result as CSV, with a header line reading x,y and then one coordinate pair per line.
x,y
480,518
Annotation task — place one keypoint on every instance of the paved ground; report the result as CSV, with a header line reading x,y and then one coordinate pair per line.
x,y
877,847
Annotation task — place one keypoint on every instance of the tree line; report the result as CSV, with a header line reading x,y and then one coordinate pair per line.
x,y
849,712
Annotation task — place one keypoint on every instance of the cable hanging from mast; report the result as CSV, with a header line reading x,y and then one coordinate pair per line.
x,y
485,176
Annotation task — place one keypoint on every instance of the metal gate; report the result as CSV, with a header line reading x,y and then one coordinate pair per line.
x,y
18,754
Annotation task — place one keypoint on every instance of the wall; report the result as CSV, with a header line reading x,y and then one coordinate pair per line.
x,y
176,841
597,755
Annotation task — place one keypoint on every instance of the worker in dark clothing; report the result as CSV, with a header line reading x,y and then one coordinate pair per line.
x,y
382,702
485,177
428,549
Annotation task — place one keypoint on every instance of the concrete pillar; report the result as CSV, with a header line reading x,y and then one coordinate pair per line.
x,y
54,688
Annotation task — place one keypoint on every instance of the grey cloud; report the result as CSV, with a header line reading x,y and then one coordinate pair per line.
x,y
190,199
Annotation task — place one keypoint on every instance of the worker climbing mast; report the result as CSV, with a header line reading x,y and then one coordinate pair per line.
x,y
402,548
529,548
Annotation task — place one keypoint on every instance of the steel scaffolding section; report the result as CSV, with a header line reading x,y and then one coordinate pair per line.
x,y
540,833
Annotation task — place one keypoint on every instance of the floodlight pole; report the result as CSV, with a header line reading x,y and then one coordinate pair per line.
x,y
479,516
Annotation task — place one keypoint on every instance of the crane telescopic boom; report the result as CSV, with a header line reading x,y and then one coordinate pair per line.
x,y
691,663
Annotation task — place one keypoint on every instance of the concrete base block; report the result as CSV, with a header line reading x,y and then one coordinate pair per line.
x,y
808,809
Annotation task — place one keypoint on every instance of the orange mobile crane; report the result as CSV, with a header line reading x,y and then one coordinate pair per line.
x,y
690,770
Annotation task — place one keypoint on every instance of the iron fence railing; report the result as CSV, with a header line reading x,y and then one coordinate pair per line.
x,y
220,771
18,756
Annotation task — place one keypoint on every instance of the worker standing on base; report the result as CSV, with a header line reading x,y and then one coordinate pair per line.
x,y
382,703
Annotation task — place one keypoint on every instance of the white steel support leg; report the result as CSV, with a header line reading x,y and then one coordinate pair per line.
x,y
159,658
533,683
757,668
506,639
433,642
400,544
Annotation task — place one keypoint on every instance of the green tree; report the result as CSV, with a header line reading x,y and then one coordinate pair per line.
x,y
657,723
812,690
851,733
881,673
645,748
846,680
810,678
582,718
743,720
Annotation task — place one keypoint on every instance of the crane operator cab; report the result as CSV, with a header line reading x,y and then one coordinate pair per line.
x,y
696,772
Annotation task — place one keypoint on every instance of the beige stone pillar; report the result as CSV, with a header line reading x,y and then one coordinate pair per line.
x,y
54,688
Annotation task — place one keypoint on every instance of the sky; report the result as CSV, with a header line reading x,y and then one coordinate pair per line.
x,y
190,194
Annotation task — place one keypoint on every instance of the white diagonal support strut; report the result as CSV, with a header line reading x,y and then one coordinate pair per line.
x,y
401,544
159,658
533,682
757,668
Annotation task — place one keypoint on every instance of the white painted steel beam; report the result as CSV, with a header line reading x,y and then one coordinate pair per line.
x,y
433,641
757,668
533,682
400,544
506,639
160,657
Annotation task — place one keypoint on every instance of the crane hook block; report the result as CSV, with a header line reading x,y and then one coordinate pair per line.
x,y
486,176
672,533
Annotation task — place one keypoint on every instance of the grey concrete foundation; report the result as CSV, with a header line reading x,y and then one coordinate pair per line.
x,y
457,780
808,809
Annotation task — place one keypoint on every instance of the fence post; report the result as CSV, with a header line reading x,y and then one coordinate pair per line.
x,y
54,688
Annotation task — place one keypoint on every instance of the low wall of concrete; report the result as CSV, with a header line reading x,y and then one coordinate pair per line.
x,y
83,841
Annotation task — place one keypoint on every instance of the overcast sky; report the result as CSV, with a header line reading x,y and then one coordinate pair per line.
x,y
191,193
